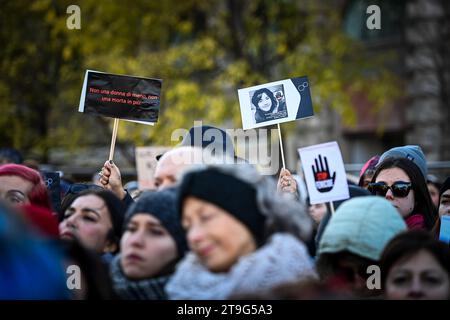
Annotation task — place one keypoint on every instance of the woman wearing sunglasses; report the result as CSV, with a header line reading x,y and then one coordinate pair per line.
x,y
401,182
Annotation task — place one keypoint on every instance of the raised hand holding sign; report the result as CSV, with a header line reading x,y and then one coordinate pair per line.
x,y
324,181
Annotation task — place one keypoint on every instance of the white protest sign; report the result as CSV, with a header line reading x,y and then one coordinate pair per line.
x,y
146,165
324,172
275,102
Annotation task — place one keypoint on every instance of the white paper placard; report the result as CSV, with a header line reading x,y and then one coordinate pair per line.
x,y
324,172
275,102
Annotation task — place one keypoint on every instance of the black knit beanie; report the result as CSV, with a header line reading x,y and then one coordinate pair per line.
x,y
227,192
161,205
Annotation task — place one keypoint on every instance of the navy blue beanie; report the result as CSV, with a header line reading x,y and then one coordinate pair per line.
x,y
161,205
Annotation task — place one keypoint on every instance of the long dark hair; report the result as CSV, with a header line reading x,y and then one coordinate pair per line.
x,y
257,96
423,204
98,285
115,207
406,244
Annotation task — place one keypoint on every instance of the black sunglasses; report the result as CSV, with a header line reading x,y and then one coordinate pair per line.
x,y
76,188
399,189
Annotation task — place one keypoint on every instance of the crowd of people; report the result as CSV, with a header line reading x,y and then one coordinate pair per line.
x,y
219,229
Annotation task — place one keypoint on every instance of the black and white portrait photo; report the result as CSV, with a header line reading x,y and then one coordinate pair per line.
x,y
268,103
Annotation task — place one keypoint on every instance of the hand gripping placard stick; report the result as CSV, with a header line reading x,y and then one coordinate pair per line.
x,y
281,146
113,138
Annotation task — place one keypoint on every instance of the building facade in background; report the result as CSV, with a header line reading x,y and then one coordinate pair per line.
x,y
419,32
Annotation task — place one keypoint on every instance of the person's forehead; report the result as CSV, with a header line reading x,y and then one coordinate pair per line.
x,y
169,167
393,174
145,217
420,260
446,194
196,205
193,206
432,189
89,200
177,160
14,182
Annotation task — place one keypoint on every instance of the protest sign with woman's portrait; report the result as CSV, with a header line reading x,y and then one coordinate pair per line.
x,y
268,104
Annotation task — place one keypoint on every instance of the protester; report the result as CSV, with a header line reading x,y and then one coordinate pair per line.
x,y
243,237
72,192
21,185
444,198
353,240
317,212
434,185
416,266
152,243
31,163
196,148
10,155
94,282
95,218
30,268
42,219
367,171
287,184
111,179
211,138
401,182
411,152
444,206
173,163
353,191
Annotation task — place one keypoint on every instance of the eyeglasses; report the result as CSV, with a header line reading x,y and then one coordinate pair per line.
x,y
400,189
76,188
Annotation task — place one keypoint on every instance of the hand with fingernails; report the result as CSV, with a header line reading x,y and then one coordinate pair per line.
x,y
286,182
111,179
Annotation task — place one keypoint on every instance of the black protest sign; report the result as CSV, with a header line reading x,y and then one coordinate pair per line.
x,y
53,184
129,98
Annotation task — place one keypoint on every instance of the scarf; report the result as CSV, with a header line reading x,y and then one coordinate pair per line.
x,y
415,222
126,289
282,259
